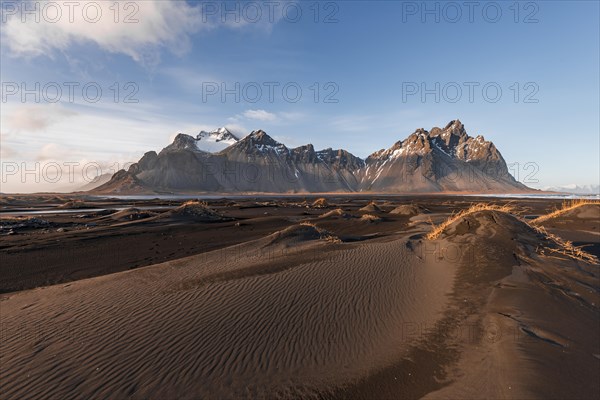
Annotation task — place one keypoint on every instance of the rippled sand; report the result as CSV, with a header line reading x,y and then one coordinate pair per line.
x,y
263,319
327,307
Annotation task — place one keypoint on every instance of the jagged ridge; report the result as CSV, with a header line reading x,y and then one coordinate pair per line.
x,y
445,159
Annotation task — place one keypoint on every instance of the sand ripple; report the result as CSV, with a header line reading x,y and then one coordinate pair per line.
x,y
226,324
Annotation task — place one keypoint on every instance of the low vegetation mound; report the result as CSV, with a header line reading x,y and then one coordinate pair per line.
x,y
438,230
73,204
197,211
302,232
371,207
409,210
131,214
338,212
488,221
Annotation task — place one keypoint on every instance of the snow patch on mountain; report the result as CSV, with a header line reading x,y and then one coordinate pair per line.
x,y
215,141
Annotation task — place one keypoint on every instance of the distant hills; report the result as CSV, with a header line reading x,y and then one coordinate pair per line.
x,y
576,189
440,160
94,183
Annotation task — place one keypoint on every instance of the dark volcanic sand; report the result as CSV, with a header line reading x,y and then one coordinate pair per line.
x,y
43,256
280,298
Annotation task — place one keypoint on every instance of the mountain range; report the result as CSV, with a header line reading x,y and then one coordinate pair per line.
x,y
440,160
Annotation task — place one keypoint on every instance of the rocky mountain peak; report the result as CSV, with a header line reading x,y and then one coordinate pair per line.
x,y
307,148
182,142
259,142
453,131
455,127
340,158
261,137
452,140
304,154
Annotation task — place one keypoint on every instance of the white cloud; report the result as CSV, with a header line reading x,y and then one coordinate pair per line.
x,y
139,29
159,24
266,116
259,115
238,130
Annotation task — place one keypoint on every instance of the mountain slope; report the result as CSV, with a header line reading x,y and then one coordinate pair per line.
x,y
256,163
94,183
445,159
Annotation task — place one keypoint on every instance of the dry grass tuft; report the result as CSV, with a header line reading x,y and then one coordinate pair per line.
x,y
438,230
567,206
196,203
333,213
566,248
308,223
75,204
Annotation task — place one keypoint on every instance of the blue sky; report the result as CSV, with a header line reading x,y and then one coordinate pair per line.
x,y
366,56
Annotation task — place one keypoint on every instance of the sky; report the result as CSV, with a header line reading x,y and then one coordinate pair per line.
x,y
89,87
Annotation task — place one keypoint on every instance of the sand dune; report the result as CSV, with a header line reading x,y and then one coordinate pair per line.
x,y
309,303
538,313
287,315
194,210
338,212
371,207
409,209
129,214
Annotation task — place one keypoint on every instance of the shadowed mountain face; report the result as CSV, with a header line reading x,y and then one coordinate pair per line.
x,y
440,160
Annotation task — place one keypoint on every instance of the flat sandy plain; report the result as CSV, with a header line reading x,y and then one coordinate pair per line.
x,y
289,297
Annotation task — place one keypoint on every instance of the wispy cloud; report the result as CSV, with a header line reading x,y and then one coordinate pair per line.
x,y
35,117
267,116
259,115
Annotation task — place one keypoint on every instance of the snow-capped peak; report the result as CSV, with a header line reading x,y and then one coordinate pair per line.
x,y
211,142
216,140
218,135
